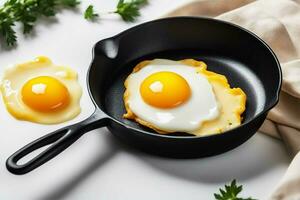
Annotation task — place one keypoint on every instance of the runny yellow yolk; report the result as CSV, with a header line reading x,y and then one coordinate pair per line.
x,y
165,90
45,94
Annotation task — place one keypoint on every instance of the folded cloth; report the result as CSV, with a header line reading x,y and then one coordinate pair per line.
x,y
277,22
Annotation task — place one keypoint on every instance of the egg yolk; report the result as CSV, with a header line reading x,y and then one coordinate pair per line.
x,y
45,94
165,90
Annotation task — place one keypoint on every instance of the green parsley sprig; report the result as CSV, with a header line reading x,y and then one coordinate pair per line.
x,y
90,14
27,12
231,192
128,10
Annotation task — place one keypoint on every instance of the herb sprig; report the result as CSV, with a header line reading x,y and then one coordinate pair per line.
x,y
27,13
231,192
128,10
90,14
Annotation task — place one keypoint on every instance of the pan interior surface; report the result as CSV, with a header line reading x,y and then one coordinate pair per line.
x,y
239,74
227,49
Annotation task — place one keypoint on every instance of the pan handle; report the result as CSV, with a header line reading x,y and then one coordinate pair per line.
x,y
58,140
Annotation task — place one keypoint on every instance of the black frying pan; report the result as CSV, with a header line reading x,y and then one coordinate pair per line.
x,y
227,49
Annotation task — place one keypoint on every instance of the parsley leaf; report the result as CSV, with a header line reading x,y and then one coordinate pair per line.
x,y
8,32
129,11
90,14
231,192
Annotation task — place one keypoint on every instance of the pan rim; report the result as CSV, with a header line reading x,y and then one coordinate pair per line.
x,y
273,103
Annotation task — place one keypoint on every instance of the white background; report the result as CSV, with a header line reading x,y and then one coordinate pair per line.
x,y
97,166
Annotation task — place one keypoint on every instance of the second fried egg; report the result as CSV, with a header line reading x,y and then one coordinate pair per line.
x,y
41,92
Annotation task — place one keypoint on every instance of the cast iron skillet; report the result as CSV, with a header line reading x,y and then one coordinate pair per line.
x,y
227,49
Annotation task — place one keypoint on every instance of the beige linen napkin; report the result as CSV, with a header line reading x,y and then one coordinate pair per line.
x,y
278,23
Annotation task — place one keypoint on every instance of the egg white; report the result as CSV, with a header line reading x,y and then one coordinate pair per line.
x,y
188,117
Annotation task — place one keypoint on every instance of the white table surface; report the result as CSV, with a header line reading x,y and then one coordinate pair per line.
x,y
97,166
